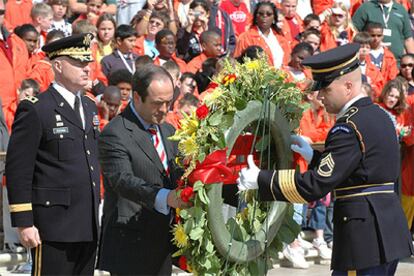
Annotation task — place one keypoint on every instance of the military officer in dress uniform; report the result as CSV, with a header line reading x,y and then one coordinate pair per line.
x,y
52,166
360,164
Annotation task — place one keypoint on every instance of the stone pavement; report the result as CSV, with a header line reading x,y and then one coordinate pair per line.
x,y
405,268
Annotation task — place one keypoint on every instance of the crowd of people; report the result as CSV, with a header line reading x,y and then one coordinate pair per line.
x,y
191,38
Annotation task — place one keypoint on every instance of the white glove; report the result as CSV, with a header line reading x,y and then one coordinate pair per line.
x,y
302,147
248,176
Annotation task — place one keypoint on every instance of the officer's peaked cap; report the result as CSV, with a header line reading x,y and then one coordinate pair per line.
x,y
76,46
331,64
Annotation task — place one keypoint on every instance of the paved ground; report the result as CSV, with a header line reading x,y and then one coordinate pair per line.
x,y
405,268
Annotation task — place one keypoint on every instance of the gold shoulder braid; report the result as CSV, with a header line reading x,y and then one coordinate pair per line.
x,y
31,99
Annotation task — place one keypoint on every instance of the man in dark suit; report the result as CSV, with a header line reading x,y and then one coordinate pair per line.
x,y
52,166
139,177
360,164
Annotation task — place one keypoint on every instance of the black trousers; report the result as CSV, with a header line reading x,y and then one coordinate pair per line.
x,y
64,258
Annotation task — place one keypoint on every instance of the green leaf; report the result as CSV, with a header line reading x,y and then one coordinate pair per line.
x,y
203,196
215,119
196,233
198,185
184,214
209,247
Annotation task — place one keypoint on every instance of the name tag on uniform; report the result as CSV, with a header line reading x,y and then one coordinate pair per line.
x,y
387,32
60,130
95,120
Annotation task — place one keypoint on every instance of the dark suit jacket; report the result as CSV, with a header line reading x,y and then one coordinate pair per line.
x,y
135,237
52,164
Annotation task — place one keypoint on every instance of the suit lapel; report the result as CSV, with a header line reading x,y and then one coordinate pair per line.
x,y
141,137
64,109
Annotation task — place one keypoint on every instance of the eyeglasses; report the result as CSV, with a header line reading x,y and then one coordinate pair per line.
x,y
339,15
407,65
2,12
268,14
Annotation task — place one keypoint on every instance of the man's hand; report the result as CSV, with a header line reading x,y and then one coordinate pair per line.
x,y
174,200
301,146
248,176
29,236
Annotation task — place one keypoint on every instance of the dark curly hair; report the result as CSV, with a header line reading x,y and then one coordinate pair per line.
x,y
275,15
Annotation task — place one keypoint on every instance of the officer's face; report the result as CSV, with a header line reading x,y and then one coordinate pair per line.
x,y
155,106
334,97
74,74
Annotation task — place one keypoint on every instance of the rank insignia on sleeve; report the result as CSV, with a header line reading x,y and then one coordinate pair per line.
x,y
326,166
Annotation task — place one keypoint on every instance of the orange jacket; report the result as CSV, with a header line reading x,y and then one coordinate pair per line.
x,y
286,24
252,37
17,13
42,72
375,78
9,113
139,46
407,166
13,73
389,69
181,63
328,39
195,64
173,118
316,126
320,6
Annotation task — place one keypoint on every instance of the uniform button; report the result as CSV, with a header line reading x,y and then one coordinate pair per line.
x,y
61,136
86,136
93,183
91,168
345,218
47,203
88,152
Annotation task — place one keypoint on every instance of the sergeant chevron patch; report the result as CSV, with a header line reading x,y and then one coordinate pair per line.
x,y
326,166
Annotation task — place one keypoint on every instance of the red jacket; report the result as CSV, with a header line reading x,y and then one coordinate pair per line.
x,y
181,63
195,64
139,46
407,166
252,37
12,73
17,13
389,69
375,78
328,39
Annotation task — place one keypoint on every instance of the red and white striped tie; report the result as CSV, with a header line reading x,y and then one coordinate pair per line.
x,y
155,137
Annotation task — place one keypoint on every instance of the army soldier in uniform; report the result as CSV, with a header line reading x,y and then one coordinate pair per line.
x,y
360,164
52,167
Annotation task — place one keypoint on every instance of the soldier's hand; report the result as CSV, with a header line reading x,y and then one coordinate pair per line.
x,y
301,146
174,200
248,176
29,236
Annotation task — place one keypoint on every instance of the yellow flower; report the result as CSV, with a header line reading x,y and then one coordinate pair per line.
x,y
212,96
189,124
180,237
188,146
253,65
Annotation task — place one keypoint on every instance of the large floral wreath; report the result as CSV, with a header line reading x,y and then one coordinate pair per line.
x,y
202,134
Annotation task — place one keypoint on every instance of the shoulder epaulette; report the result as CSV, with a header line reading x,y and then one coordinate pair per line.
x,y
31,99
349,113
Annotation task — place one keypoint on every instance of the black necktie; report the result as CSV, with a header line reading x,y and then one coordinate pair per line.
x,y
77,110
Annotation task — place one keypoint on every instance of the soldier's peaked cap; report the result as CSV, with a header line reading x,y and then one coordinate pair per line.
x,y
329,65
76,46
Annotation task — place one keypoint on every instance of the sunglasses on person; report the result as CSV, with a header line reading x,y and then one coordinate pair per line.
x,y
407,65
268,14
2,12
339,15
